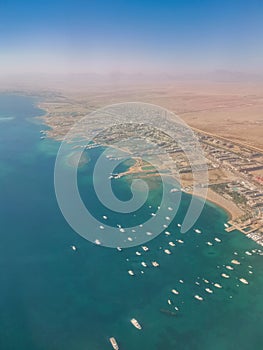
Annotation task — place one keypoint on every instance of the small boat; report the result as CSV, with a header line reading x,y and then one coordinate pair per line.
x,y
181,281
138,253
136,324
208,290
102,227
174,190
243,280
105,217
198,297
119,249
165,226
179,225
130,272
149,233
225,275
217,285
206,281
217,240
167,251
248,253
172,244
197,231
144,264
114,343
97,241
167,233
180,241
130,239
174,291
122,229
145,248
209,243
236,262
226,225
169,302
153,214
167,218
155,264
229,267
170,208
73,247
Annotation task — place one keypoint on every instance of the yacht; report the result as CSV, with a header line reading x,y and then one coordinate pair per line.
x,y
145,248
114,343
197,231
119,249
236,262
208,290
225,275
130,272
136,324
144,264
73,247
217,240
217,285
243,280
167,251
174,291
172,244
155,264
198,297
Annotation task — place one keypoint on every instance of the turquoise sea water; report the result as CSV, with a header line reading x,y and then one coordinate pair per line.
x,y
52,298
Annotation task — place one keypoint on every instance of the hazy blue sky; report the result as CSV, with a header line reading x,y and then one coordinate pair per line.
x,y
131,35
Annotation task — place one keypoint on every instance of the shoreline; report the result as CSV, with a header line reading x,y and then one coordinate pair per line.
x,y
232,210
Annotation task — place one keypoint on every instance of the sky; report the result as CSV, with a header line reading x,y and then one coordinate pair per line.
x,y
130,36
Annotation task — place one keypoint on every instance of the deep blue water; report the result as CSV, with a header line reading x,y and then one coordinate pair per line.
x,y
52,298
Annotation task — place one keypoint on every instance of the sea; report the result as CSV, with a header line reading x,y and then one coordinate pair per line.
x,y
55,298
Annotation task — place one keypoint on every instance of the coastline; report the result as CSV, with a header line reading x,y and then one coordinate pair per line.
x,y
229,207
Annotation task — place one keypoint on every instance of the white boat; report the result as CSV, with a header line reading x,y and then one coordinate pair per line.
x,y
180,241
97,241
198,297
217,285
167,251
153,214
114,343
136,324
172,244
248,253
208,290
209,243
105,217
73,247
144,264
119,249
130,272
122,229
155,264
167,233
174,291
236,262
174,190
179,225
197,231
138,253
229,267
130,239
217,240
226,225
170,208
243,280
225,275
167,218
145,248
169,302
102,227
